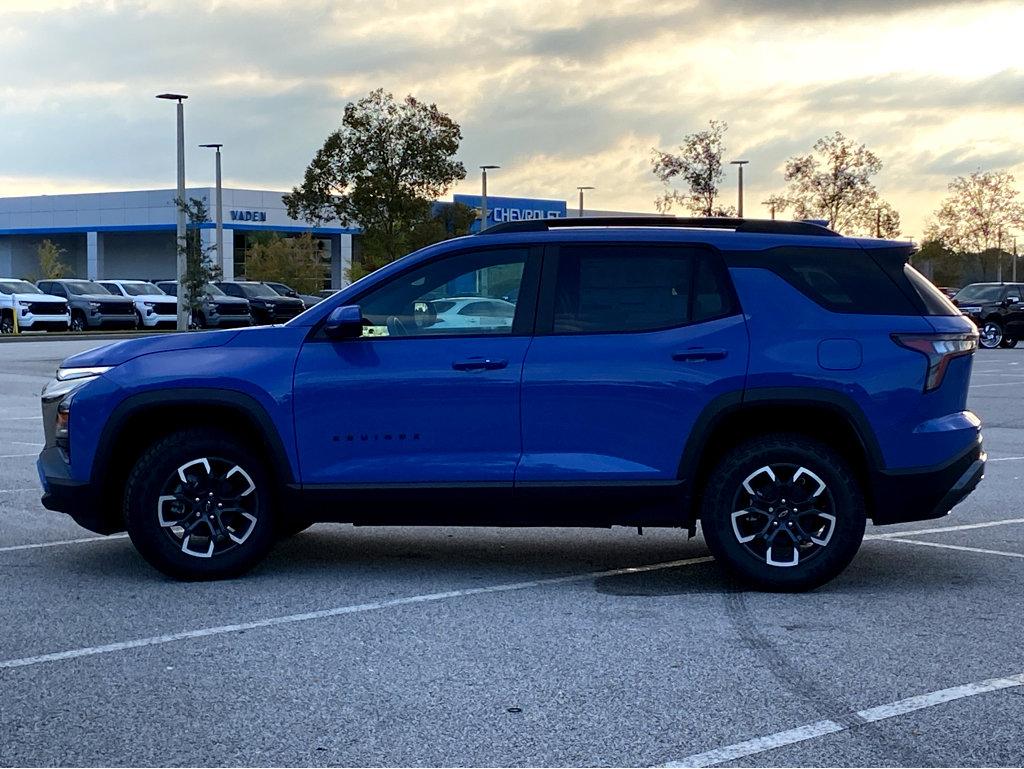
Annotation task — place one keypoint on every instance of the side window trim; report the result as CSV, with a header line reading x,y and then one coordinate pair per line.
x,y
552,256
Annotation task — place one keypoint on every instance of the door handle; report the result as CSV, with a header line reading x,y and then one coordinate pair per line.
x,y
479,364
699,355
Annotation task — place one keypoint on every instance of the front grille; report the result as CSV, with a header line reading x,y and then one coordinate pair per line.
x,y
165,308
231,309
48,308
115,308
286,310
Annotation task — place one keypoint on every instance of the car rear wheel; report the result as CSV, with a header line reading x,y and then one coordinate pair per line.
x,y
197,505
991,335
783,512
1009,344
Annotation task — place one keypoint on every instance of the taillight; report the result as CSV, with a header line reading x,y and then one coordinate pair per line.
x,y
939,349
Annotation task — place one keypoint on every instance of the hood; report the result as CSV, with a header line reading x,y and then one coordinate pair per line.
x,y
227,300
153,298
102,298
120,352
38,298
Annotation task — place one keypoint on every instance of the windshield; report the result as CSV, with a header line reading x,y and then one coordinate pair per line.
x,y
280,288
979,292
83,287
140,289
253,290
170,288
18,287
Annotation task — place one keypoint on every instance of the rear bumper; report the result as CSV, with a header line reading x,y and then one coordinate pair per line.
x,y
63,494
921,495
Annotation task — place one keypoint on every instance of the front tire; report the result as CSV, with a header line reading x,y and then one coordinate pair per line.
x,y
78,322
1008,343
783,512
197,505
991,335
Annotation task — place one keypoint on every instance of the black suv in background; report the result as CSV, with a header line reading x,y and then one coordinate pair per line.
x,y
267,305
91,305
308,300
996,310
218,310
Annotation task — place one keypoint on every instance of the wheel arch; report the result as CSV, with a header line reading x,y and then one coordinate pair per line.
x,y
143,418
830,417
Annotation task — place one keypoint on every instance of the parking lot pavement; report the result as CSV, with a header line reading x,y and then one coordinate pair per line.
x,y
362,646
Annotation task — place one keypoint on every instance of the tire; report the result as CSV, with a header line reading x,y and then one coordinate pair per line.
x,y
233,527
78,322
815,477
139,325
990,334
1008,344
6,322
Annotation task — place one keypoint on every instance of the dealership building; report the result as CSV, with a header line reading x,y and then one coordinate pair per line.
x,y
131,235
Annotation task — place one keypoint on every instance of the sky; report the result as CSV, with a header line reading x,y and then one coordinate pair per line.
x,y
558,93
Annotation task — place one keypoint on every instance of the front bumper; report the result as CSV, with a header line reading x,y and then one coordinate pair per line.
x,y
63,494
924,494
110,321
153,321
48,322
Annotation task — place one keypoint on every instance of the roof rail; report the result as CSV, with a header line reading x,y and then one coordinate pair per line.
x,y
759,226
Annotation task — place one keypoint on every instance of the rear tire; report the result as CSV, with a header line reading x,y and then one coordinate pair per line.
x,y
1008,344
198,505
783,513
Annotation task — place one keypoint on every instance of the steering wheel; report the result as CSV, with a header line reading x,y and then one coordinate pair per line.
x,y
396,327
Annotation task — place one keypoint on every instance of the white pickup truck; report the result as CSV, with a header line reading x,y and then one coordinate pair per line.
x,y
34,310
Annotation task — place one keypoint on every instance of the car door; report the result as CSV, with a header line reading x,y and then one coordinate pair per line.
x,y
1013,314
414,402
633,343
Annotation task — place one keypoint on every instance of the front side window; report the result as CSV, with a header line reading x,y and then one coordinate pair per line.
x,y
613,289
466,294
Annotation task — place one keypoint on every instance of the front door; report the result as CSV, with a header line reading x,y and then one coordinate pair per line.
x,y
429,395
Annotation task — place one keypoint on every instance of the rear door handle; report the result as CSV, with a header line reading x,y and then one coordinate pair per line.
x,y
699,355
479,364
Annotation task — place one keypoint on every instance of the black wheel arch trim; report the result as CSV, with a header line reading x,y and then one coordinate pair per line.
x,y
191,396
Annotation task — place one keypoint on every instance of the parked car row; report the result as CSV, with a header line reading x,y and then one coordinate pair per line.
x,y
81,305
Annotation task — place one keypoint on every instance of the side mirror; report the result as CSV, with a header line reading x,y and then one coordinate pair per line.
x,y
345,322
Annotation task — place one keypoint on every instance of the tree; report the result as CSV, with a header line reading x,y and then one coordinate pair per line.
x,y
833,182
381,170
698,165
51,267
297,262
200,264
979,213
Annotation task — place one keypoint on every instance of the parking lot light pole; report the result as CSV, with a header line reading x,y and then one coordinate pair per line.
x,y
220,208
1014,258
581,189
483,195
739,199
180,205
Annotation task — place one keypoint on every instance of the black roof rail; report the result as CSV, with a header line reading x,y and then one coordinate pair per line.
x,y
758,226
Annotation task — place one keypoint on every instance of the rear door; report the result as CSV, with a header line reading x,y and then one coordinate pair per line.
x,y
632,343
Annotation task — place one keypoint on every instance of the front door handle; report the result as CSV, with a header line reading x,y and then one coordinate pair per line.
x,y
479,364
699,355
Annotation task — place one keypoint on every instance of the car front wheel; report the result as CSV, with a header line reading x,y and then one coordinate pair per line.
x,y
783,512
197,505
991,335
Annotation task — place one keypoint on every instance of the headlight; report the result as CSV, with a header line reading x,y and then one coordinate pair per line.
x,y
24,303
64,374
94,305
151,305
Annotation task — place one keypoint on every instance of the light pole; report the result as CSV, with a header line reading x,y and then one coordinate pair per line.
x,y
739,206
220,209
771,206
878,222
483,195
1014,258
581,189
180,205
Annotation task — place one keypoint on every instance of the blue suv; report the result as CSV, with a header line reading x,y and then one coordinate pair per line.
x,y
773,381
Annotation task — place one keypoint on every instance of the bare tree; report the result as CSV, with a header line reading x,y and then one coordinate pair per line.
x,y
979,213
833,182
698,166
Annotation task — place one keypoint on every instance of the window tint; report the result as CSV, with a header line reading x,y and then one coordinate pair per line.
x,y
839,279
608,289
431,300
935,302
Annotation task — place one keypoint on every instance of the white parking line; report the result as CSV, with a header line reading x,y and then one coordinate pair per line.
x,y
998,384
955,547
15,491
730,753
1004,459
18,419
26,443
57,543
942,529
288,619
14,456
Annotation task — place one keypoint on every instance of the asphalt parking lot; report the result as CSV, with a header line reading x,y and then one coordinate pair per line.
x,y
363,646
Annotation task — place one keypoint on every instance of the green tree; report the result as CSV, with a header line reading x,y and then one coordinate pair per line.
x,y
200,262
51,266
834,182
381,170
698,166
297,262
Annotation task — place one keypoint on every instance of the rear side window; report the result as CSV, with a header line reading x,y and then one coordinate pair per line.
x,y
844,280
935,302
613,289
